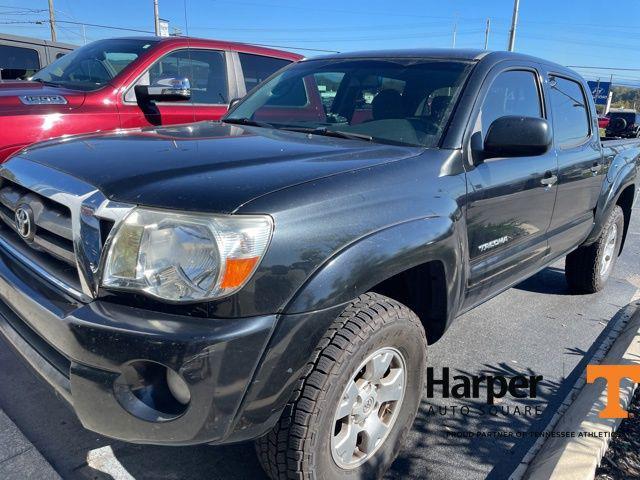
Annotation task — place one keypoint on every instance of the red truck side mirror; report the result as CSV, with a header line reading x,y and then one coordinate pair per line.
x,y
165,90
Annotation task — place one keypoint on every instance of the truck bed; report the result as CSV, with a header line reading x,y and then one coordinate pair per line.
x,y
615,146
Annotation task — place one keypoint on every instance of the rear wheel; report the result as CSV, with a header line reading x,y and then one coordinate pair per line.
x,y
358,399
588,268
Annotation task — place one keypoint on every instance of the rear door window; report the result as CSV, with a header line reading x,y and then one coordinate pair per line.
x,y
290,93
256,68
569,110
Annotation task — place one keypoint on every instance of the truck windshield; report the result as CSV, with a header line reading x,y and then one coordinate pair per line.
x,y
403,101
94,65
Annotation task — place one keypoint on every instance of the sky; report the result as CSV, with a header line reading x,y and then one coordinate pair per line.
x,y
594,34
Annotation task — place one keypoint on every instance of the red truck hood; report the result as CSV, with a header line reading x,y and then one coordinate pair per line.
x,y
11,91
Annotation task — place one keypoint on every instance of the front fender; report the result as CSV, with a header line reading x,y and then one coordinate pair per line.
x,y
370,260
353,270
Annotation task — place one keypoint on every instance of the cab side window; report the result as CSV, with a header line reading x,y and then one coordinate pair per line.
x,y
205,69
569,110
514,92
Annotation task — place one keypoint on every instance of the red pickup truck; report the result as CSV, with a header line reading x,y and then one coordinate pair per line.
x,y
131,82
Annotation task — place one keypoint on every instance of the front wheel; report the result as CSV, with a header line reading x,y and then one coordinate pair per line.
x,y
588,268
358,399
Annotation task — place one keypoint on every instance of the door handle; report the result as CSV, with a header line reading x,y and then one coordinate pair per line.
x,y
596,168
549,180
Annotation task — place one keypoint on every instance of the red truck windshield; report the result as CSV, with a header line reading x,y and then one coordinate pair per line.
x,y
404,101
94,65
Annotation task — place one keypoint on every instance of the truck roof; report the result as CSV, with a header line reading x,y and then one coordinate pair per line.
x,y
35,41
220,44
449,54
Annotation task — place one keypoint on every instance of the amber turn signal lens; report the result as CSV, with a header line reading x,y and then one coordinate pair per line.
x,y
237,270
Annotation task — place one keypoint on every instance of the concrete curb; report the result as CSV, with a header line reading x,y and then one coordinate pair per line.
x,y
19,459
577,457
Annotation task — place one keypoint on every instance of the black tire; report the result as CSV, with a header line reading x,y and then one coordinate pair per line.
x,y
299,446
618,124
583,266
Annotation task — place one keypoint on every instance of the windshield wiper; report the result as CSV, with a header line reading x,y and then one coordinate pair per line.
x,y
314,131
247,121
330,133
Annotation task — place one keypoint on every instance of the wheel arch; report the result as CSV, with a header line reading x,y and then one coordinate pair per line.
x,y
418,263
615,190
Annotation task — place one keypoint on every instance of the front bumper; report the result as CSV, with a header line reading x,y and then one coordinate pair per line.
x,y
80,349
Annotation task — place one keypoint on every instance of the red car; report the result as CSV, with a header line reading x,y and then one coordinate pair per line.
x,y
131,82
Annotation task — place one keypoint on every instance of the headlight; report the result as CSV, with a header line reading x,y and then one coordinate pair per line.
x,y
185,257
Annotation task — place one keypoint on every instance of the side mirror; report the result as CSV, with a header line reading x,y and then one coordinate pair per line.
x,y
165,90
234,102
513,136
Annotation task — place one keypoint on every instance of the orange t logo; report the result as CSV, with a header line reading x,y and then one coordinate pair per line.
x,y
613,374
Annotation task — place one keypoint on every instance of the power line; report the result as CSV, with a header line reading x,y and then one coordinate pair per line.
x,y
25,9
41,22
593,45
344,39
382,39
354,12
419,26
605,68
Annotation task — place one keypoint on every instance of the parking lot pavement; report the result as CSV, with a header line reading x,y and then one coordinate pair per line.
x,y
536,328
18,457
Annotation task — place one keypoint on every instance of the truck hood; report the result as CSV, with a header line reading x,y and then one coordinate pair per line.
x,y
12,90
207,166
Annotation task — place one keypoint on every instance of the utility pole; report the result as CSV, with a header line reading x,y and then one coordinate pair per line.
x,y
486,34
514,24
84,34
455,31
52,21
156,17
608,105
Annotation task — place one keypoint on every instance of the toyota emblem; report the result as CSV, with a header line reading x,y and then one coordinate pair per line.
x,y
24,221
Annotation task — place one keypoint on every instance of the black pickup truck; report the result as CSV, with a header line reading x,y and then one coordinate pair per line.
x,y
278,275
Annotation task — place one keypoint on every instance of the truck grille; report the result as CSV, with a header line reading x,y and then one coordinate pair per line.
x,y
56,224
51,232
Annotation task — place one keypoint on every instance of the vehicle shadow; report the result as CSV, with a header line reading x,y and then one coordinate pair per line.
x,y
550,281
77,453
466,435
475,435
144,462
